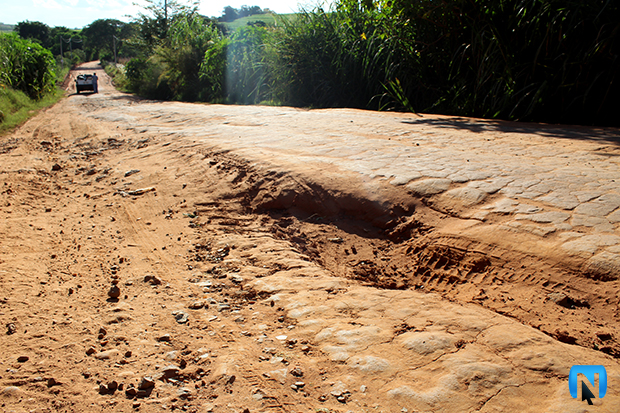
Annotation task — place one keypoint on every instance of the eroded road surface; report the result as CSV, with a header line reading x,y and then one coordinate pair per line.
x,y
159,256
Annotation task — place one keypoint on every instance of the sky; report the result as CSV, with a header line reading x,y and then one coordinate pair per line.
x,y
80,13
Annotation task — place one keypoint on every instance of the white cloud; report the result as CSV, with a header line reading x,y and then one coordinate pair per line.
x,y
47,4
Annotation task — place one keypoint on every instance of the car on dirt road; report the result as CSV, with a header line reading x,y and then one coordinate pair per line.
x,y
85,82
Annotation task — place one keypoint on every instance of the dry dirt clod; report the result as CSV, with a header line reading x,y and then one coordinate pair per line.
x,y
114,292
153,280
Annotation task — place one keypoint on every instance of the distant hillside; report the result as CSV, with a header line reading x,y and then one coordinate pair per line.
x,y
6,27
269,19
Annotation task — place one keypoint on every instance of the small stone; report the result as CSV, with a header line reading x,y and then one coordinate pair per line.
x,y
170,372
112,386
153,280
300,384
103,331
11,391
114,291
133,171
146,383
56,167
297,372
294,387
10,329
363,388
135,405
184,393
106,355
223,306
90,351
604,336
103,389
305,349
23,359
131,391
237,279
164,338
560,299
128,353
196,305
52,382
180,316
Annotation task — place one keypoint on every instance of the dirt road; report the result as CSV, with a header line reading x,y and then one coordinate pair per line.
x,y
144,268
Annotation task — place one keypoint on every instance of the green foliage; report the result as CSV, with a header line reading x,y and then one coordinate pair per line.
x,y
143,78
26,66
247,76
99,38
157,18
189,38
338,59
35,31
16,107
117,73
540,60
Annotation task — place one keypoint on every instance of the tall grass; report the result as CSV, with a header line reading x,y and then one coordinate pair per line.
x,y
16,107
26,66
540,60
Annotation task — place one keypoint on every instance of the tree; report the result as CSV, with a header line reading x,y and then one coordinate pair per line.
x,y
98,37
34,31
156,19
230,14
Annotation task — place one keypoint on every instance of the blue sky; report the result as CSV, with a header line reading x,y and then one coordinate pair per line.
x,y
79,13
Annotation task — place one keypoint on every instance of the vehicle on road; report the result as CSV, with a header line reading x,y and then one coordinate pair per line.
x,y
85,82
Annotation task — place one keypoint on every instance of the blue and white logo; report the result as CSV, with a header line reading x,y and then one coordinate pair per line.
x,y
588,372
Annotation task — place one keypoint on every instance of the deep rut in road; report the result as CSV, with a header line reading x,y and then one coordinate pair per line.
x,y
392,248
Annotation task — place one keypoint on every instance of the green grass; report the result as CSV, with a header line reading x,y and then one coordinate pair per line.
x,y
16,107
6,28
269,19
117,74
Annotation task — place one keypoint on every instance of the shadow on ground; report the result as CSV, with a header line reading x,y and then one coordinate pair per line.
x,y
608,135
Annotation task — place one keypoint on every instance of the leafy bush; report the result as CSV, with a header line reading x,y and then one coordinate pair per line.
x,y
189,38
248,71
144,77
26,66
